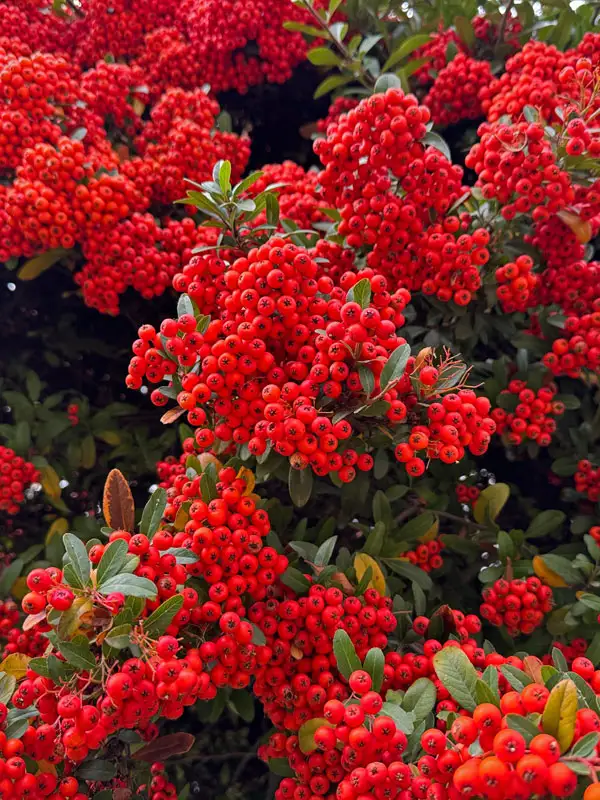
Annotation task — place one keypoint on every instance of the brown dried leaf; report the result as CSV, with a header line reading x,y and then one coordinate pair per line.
x,y
171,415
532,666
118,506
33,619
175,744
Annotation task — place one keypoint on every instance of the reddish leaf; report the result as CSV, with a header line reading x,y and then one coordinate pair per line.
x,y
118,506
175,744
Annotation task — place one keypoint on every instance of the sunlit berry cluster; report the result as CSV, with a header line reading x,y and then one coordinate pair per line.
x,y
520,605
528,414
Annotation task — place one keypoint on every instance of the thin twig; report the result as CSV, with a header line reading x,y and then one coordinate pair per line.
x,y
503,24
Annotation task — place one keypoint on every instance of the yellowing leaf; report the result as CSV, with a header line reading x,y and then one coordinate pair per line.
x,y
560,714
181,517
362,562
35,266
50,482
546,574
306,734
422,357
110,437
580,227
15,665
208,458
432,533
59,527
19,588
138,106
248,476
72,619
491,502
46,766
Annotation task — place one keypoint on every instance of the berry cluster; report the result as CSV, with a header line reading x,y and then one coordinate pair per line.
x,y
581,351
16,475
518,604
454,95
516,284
532,415
467,494
426,555
587,480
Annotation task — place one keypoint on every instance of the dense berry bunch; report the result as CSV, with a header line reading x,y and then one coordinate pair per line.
x,y
532,414
301,678
516,165
454,95
341,105
454,423
587,480
299,195
16,475
516,284
518,604
467,494
435,51
581,350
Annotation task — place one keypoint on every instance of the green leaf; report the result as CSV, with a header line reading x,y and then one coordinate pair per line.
x,y
373,664
387,81
368,43
130,586
416,527
112,561
522,725
300,483
9,576
160,619
306,734
410,572
325,551
182,555
490,502
360,293
394,367
323,57
544,523
375,539
97,770
560,713
8,684
208,483
516,677
563,567
345,654
296,580
420,698
119,637
39,665
464,28
405,720
258,637
559,661
281,767
153,512
458,676
586,746
17,721
506,546
382,510
331,83
78,653
433,139
593,650
224,176
485,694
243,704
367,379
564,467
78,557
272,209
406,48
